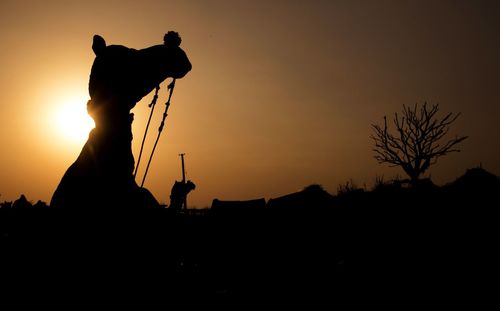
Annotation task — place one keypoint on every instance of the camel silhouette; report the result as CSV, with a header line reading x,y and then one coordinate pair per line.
x,y
102,175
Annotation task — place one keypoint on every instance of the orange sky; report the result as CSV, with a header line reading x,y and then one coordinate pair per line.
x,y
282,93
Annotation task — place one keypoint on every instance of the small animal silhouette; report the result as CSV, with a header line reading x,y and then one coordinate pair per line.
x,y
179,192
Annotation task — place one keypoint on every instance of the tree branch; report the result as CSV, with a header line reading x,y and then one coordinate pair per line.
x,y
416,143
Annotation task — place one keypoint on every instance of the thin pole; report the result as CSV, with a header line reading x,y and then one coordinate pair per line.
x,y
171,87
183,170
184,178
152,106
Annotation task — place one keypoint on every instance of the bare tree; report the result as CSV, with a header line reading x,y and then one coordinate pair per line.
x,y
417,141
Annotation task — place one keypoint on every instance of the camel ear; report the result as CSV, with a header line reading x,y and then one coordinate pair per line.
x,y
98,45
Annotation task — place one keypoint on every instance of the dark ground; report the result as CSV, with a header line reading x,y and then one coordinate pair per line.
x,y
429,246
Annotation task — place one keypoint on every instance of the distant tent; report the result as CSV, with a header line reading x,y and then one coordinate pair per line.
x,y
311,197
248,204
477,179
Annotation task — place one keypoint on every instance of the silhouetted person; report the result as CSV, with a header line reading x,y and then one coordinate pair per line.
x,y
179,192
120,77
21,203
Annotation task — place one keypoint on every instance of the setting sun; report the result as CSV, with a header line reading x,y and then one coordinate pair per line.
x,y
72,121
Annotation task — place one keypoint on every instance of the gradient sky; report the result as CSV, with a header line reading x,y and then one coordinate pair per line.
x,y
281,95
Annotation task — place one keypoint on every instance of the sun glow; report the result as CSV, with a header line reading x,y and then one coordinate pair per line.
x,y
72,121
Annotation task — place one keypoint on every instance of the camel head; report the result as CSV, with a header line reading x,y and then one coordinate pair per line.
x,y
123,76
